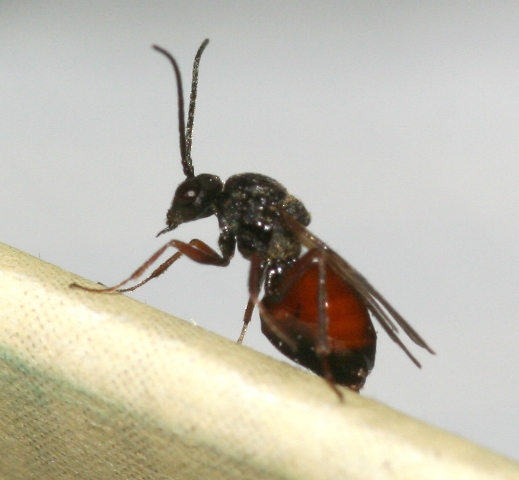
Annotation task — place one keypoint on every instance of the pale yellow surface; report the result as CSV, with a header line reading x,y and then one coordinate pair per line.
x,y
101,386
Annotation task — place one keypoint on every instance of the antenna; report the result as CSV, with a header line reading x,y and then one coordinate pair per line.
x,y
185,135
192,103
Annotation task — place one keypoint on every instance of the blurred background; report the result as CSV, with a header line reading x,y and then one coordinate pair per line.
x,y
396,123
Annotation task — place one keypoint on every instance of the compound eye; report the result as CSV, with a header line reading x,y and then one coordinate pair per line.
x,y
187,194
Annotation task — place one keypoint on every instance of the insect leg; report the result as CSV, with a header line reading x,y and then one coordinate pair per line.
x,y
196,250
158,271
323,349
255,276
246,319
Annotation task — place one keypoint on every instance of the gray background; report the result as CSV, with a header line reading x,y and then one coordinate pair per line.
x,y
397,124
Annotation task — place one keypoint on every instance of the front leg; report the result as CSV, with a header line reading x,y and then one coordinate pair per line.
x,y
196,250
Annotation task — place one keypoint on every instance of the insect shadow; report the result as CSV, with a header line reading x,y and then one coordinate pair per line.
x,y
315,307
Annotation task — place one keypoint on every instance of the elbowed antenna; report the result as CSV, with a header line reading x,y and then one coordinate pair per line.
x,y
186,135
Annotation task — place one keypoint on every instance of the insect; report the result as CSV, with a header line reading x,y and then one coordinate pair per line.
x,y
315,306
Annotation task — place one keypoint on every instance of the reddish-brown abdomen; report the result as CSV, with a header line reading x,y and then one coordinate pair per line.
x,y
294,315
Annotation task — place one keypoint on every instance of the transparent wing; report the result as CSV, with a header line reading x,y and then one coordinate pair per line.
x,y
379,307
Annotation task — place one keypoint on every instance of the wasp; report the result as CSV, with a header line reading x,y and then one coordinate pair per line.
x,y
314,306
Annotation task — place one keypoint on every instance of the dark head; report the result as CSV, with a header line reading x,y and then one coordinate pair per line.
x,y
194,198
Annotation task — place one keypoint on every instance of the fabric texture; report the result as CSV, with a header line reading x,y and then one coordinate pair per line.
x,y
101,386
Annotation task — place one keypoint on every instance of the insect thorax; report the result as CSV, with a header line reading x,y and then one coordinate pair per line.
x,y
250,208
